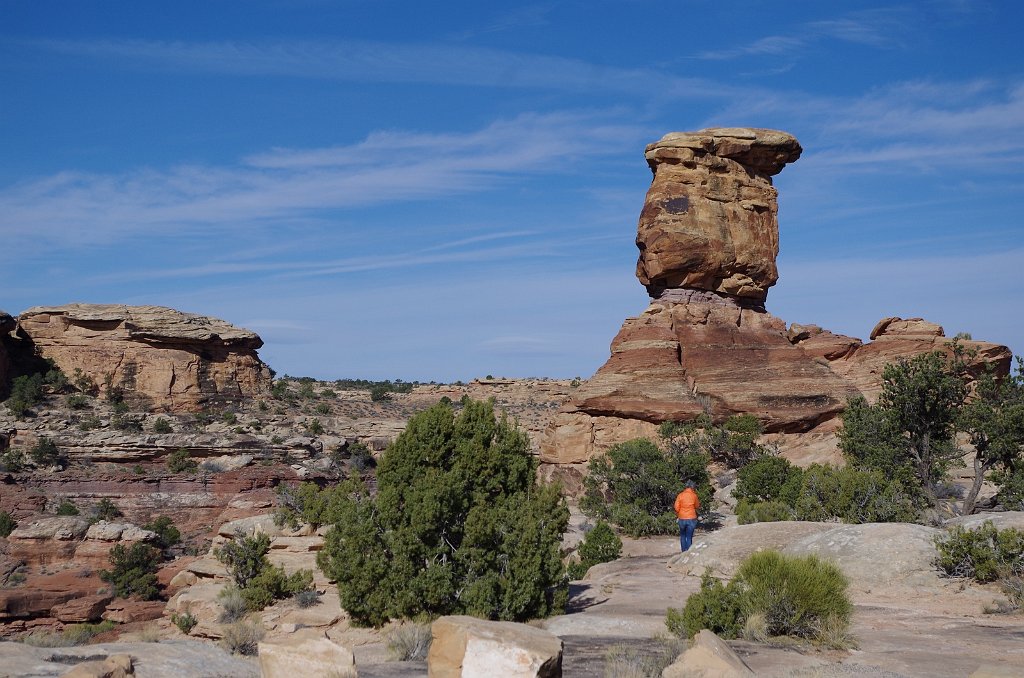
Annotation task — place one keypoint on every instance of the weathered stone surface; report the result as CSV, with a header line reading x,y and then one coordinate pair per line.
x,y
723,550
83,609
166,659
708,657
467,646
874,555
819,343
124,611
31,602
709,220
305,656
167,359
48,540
114,666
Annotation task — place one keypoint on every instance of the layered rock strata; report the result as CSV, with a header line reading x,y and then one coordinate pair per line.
x,y
708,238
6,325
169,360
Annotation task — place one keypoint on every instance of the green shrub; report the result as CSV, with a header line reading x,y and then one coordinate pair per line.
x,y
45,453
273,584
90,423
106,510
634,486
768,478
801,597
1011,489
379,393
7,524
26,392
161,425
984,554
12,460
229,418
242,638
66,508
304,503
134,571
315,427
83,382
734,443
629,660
77,401
180,461
80,634
600,545
762,512
185,622
716,607
854,496
244,557
129,423
797,595
322,408
459,525
167,534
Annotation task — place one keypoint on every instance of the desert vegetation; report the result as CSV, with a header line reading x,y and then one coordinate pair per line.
x,y
458,525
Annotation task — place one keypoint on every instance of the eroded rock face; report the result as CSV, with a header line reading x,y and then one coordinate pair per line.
x,y
710,218
170,360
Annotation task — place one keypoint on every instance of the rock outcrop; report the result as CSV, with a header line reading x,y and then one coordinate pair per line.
x,y
166,359
708,237
708,657
306,656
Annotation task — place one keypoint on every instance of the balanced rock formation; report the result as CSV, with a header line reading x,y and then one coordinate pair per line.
x,y
709,220
708,237
167,359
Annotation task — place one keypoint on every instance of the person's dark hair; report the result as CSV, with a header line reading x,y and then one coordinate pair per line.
x,y
690,484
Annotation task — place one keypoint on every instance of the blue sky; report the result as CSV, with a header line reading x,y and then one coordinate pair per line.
x,y
440,191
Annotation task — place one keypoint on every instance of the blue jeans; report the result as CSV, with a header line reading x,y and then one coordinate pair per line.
x,y
686,528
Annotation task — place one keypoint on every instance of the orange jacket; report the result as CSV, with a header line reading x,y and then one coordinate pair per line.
x,y
687,504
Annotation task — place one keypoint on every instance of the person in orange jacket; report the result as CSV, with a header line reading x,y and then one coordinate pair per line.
x,y
686,507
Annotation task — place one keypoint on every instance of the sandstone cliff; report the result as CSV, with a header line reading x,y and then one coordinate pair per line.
x,y
168,360
6,325
708,237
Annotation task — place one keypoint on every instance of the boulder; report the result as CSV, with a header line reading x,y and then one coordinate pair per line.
x,y
83,609
709,221
708,657
471,647
114,666
163,358
305,656
1002,520
124,611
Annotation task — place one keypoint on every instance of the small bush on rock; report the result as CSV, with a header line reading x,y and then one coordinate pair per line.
x,y
134,571
273,584
409,642
106,510
244,557
161,425
66,508
45,453
762,512
788,596
7,524
167,534
180,461
185,622
984,554
600,545
242,638
233,605
768,478
307,598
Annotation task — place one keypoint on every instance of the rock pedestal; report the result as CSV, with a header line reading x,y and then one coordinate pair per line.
x,y
708,237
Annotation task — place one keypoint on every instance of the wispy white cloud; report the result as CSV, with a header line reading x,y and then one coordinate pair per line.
x,y
369,61
388,167
873,28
